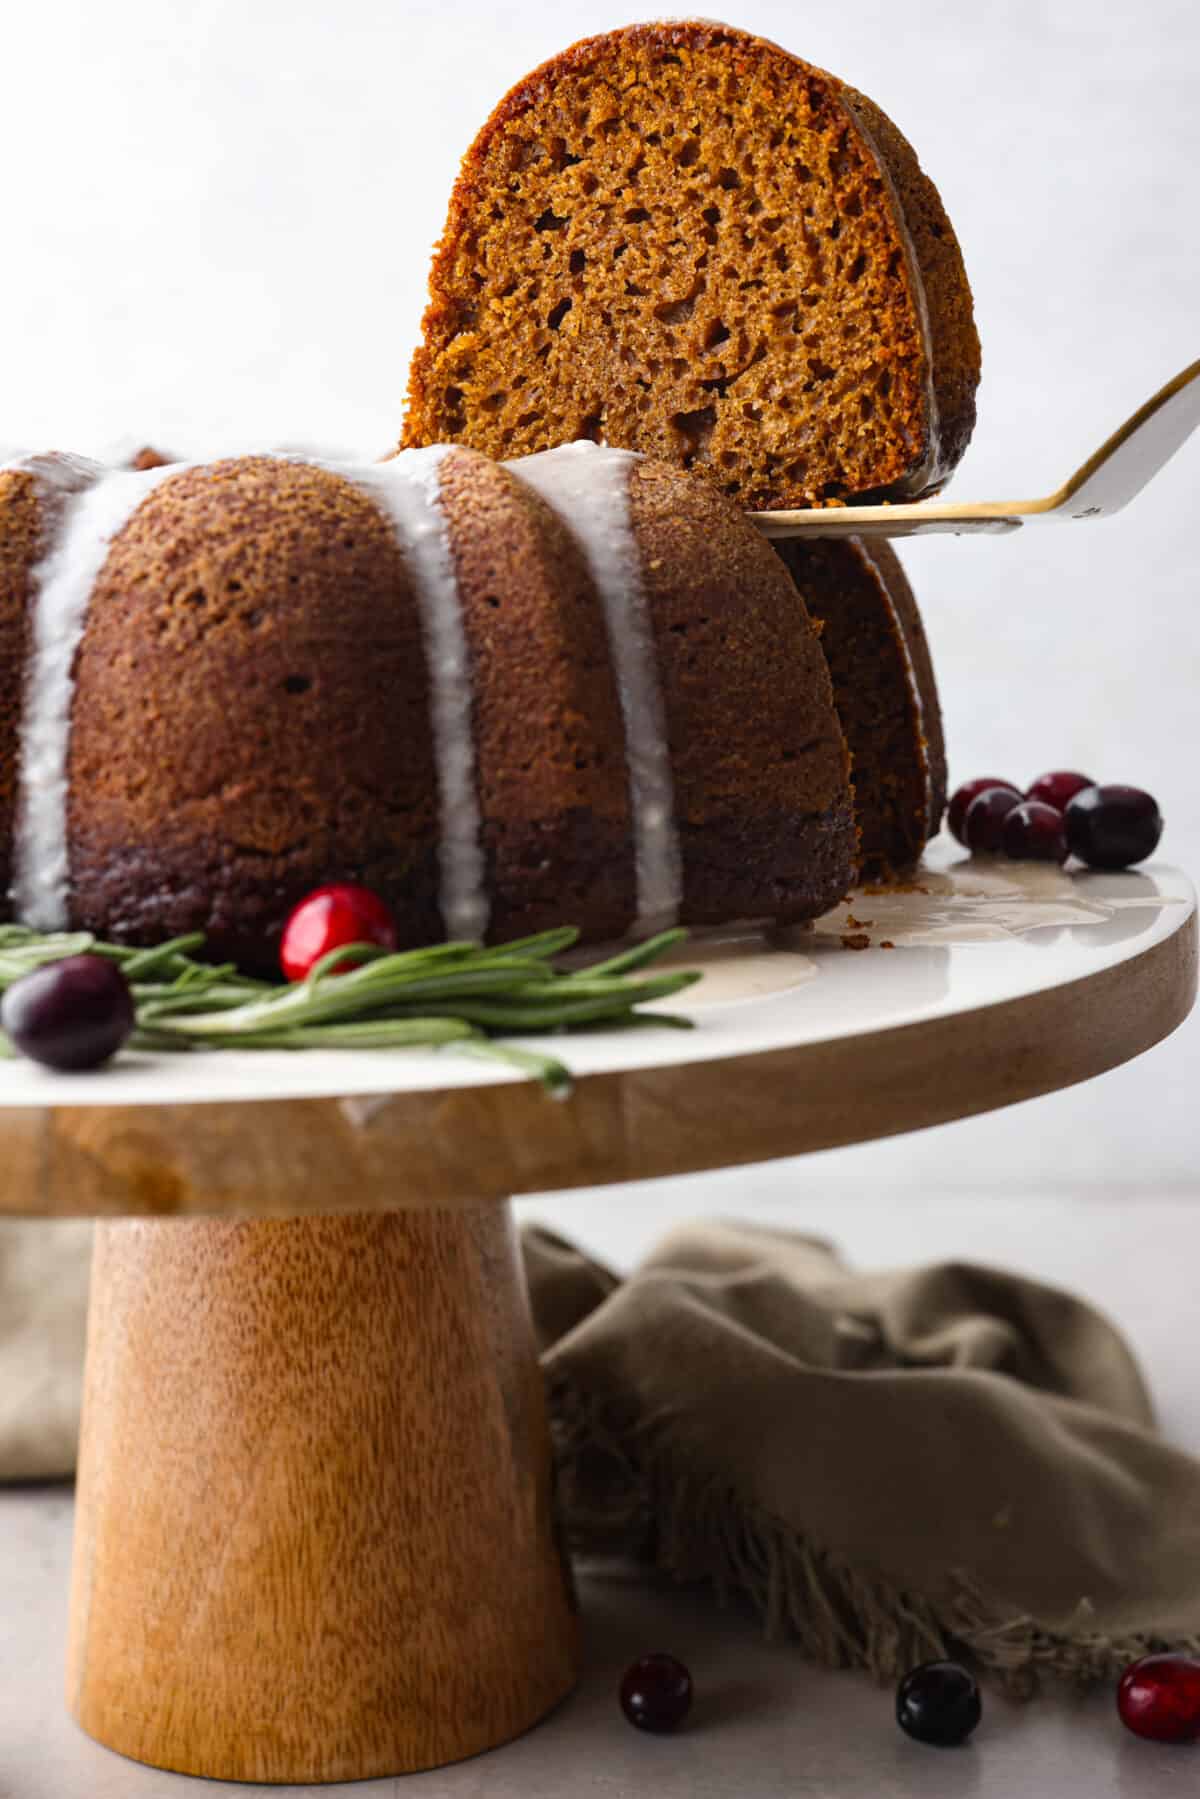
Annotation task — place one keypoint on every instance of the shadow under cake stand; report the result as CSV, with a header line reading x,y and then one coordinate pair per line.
x,y
316,1537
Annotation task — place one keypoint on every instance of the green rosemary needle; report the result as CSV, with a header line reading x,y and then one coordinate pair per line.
x,y
457,995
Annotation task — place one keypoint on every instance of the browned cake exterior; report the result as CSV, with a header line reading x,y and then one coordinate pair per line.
x,y
550,774
884,687
759,760
681,239
21,542
252,714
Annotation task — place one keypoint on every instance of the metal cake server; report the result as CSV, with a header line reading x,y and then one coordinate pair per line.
x,y
1106,482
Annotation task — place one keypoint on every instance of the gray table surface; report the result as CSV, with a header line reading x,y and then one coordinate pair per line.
x,y
764,1724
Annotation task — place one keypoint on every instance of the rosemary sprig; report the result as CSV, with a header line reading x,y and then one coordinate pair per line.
x,y
457,995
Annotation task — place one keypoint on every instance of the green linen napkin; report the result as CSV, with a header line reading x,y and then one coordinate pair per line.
x,y
884,1465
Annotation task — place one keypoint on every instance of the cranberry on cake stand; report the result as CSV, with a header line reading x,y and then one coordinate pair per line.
x,y
316,1537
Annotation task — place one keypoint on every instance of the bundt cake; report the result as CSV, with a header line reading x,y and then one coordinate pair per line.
x,y
578,688
681,239
884,691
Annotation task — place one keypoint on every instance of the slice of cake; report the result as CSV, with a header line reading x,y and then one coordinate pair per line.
x,y
884,690
681,239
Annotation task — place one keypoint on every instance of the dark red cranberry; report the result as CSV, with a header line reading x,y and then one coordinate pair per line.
x,y
983,826
1056,788
1159,1697
1110,827
69,1015
329,918
656,1693
956,811
1033,832
938,1703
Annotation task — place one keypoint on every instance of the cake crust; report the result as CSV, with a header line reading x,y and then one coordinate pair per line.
x,y
759,760
253,710
954,342
637,251
930,726
553,801
884,689
21,542
250,715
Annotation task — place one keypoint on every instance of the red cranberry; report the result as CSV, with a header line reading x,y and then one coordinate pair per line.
x,y
656,1693
938,1703
983,826
1033,832
1056,788
1159,1697
1110,827
956,812
69,1015
329,918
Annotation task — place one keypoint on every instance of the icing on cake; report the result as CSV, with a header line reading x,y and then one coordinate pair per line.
x,y
587,485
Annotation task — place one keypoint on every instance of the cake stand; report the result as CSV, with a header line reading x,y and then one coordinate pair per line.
x,y
316,1536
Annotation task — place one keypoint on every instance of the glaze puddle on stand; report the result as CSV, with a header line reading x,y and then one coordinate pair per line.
x,y
983,900
741,967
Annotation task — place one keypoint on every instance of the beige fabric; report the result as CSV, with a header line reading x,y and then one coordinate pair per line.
x,y
43,1314
882,1463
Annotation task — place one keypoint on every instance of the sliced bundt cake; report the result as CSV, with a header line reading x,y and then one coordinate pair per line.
x,y
884,690
581,688
681,239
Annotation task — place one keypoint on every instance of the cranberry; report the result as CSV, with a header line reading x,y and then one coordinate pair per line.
x,y
69,1015
983,826
656,1693
956,812
329,918
938,1703
1159,1697
1033,832
1056,788
1110,827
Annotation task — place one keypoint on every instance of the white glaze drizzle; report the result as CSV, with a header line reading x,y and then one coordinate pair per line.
x,y
587,485
910,669
84,505
408,491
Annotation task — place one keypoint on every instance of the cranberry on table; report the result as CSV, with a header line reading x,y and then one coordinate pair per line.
x,y
1058,787
69,1015
1159,1697
1110,827
961,798
939,1703
983,826
1033,832
656,1693
328,919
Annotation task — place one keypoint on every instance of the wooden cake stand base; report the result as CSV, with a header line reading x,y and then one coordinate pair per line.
x,y
315,1535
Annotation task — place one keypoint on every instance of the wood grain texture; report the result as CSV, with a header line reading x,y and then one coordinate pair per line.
x,y
463,1145
315,1537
